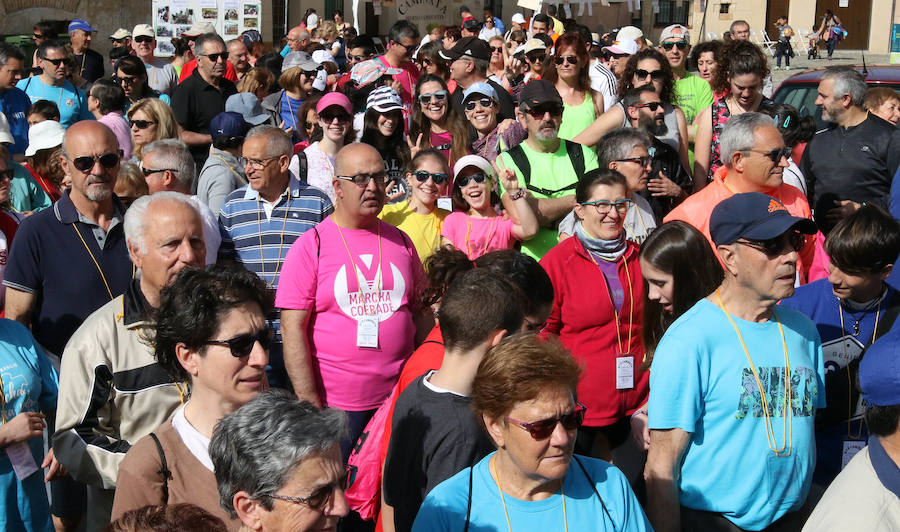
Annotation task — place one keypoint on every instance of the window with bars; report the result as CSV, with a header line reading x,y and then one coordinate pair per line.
x,y
673,12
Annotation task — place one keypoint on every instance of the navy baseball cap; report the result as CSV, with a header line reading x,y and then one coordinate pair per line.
x,y
228,124
879,372
755,216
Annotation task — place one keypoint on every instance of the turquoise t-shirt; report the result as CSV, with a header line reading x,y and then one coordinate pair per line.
x,y
700,382
25,194
444,508
72,102
551,172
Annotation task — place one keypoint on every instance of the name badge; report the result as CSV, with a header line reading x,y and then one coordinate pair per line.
x,y
851,447
445,203
624,372
367,332
21,459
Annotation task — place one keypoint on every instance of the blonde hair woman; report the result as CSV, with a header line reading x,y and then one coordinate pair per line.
x,y
151,119
257,80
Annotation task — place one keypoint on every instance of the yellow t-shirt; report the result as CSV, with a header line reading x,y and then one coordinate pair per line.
x,y
423,229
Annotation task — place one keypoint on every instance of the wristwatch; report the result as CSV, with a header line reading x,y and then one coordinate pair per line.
x,y
517,194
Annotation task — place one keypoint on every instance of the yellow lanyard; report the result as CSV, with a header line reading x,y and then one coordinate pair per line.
x,y
786,446
562,492
235,172
616,312
262,258
359,282
97,264
487,242
849,382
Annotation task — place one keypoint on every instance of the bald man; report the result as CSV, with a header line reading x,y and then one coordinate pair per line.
x,y
363,303
297,40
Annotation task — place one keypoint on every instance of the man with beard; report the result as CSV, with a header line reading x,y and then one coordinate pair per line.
x,y
161,75
548,166
853,161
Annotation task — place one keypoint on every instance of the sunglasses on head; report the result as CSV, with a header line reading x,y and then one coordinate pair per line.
x,y
86,163
775,246
653,106
423,176
438,96
143,39
57,62
668,45
216,57
462,182
484,102
776,154
242,345
571,59
543,429
538,112
657,75
142,124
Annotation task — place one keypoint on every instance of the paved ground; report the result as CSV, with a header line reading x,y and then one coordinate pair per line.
x,y
840,57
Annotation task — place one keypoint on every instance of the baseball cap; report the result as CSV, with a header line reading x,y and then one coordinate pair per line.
x,y
199,28
249,37
321,56
43,135
298,60
879,372
247,105
539,91
143,30
468,46
472,160
534,44
120,33
629,33
334,98
384,99
5,136
472,24
370,71
479,87
518,18
80,24
228,124
675,30
755,216
627,46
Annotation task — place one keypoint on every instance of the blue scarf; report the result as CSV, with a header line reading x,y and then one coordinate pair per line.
x,y
608,250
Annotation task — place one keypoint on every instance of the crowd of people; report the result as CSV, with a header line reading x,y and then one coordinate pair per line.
x,y
533,273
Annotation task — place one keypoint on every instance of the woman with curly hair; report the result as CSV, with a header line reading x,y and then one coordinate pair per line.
x,y
569,74
435,122
737,88
705,58
647,67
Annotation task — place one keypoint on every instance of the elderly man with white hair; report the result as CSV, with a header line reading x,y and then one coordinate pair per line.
x,y
112,392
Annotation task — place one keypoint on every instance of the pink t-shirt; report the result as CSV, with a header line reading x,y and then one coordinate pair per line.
x,y
442,143
317,276
407,80
477,236
120,128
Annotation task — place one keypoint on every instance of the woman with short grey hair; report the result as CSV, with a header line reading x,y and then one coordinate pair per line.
x,y
278,464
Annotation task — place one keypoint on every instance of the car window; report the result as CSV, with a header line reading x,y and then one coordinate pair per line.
x,y
803,97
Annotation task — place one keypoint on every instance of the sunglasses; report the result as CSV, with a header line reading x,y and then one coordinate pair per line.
x,y
487,103
643,161
309,125
143,39
536,58
571,59
538,112
668,45
425,62
362,180
774,246
150,171
57,62
321,497
142,124
216,57
423,176
776,154
329,117
38,36
242,345
463,182
311,73
497,49
541,430
86,163
126,80
653,106
357,58
438,96
657,75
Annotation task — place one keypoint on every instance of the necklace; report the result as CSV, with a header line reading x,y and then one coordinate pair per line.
x,y
496,475
785,449
363,282
487,241
849,380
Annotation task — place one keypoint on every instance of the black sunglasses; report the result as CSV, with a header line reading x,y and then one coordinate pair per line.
x,y
462,182
538,112
775,246
668,45
498,49
142,124
484,102
536,58
215,57
657,75
571,59
309,125
150,171
142,39
242,345
653,106
425,62
776,154
57,62
85,163
329,117
422,176
541,430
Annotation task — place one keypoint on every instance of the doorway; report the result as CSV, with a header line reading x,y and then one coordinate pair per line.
x,y
775,9
855,18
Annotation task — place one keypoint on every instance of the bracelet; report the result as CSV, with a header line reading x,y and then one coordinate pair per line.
x,y
640,412
517,194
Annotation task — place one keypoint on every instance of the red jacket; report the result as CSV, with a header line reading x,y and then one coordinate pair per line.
x,y
583,316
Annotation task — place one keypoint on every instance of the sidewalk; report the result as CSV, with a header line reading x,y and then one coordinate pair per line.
x,y
841,57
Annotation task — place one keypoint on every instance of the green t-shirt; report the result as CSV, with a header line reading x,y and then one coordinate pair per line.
x,y
552,172
577,118
693,94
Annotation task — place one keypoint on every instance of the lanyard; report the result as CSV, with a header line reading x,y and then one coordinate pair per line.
x,y
235,172
97,264
496,475
487,241
262,258
786,446
615,311
2,402
360,283
849,382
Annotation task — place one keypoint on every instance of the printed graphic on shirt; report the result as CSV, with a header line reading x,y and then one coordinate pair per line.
x,y
15,385
371,299
803,390
840,352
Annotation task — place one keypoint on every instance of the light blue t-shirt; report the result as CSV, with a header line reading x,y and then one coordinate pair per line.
x,y
72,102
30,384
445,506
700,382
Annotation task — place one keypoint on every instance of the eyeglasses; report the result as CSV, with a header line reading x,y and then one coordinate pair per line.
x,y
774,155
497,49
330,117
536,58
150,171
439,96
143,39
57,62
357,58
242,345
321,497
487,103
653,106
657,75
775,246
603,206
538,112
259,164
423,176
86,163
142,124
543,429
643,161
462,182
668,45
362,180
126,80
571,59
216,57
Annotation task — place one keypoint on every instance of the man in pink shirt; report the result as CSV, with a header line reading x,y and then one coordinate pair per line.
x,y
105,102
349,296
403,39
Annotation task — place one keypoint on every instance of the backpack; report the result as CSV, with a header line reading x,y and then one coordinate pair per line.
x,y
576,156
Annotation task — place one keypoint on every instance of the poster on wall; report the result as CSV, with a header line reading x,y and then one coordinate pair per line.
x,y
229,17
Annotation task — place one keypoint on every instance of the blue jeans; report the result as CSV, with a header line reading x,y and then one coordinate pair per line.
x,y
830,44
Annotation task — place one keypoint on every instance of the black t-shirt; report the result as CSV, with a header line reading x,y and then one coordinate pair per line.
x,y
90,63
195,102
667,161
433,436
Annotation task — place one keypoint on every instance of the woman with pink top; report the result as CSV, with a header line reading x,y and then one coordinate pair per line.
x,y
475,227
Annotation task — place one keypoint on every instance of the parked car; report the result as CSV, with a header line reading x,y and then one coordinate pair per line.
x,y
800,90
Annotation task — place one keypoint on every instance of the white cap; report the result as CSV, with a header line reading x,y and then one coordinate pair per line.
x,y
5,136
143,30
627,46
43,135
321,56
629,33
472,160
518,18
